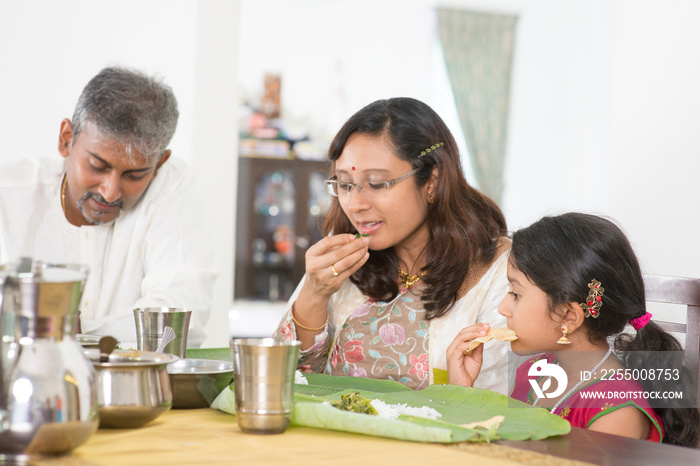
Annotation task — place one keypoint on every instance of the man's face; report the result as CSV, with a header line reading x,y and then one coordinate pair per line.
x,y
101,180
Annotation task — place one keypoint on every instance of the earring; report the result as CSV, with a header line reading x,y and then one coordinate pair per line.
x,y
563,340
430,200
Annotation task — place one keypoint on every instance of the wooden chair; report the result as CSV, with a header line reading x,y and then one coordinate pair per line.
x,y
685,291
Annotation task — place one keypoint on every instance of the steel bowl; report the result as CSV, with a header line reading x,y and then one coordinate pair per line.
x,y
87,341
197,382
133,387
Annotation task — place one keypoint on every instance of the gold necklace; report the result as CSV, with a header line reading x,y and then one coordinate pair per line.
x,y
409,280
63,195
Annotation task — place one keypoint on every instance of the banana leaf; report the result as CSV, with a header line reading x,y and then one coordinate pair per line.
x,y
218,354
457,406
327,417
340,383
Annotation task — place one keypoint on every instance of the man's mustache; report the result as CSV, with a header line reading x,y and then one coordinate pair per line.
x,y
100,199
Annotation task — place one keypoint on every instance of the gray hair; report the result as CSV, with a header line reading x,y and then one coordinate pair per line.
x,y
137,110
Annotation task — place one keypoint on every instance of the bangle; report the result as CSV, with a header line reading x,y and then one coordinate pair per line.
x,y
296,322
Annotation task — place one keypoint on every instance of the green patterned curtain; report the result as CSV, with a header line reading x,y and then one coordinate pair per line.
x,y
478,49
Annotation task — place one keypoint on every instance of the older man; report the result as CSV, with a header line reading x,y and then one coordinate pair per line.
x,y
114,204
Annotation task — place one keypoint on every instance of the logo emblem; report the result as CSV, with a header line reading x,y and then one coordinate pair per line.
x,y
542,368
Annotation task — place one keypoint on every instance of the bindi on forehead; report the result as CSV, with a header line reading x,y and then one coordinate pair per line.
x,y
353,168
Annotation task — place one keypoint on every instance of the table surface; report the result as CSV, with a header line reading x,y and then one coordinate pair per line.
x,y
599,448
208,436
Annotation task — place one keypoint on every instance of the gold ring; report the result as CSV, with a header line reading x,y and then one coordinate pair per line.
x,y
335,272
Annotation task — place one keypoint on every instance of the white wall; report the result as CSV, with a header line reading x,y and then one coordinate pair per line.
x,y
560,110
655,156
215,144
336,57
49,51
603,102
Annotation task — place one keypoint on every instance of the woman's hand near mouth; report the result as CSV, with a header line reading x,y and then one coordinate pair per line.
x,y
328,264
333,259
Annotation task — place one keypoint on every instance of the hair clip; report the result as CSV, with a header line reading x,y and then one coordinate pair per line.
x,y
594,301
432,148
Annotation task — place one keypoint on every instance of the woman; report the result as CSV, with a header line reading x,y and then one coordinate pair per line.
x,y
413,255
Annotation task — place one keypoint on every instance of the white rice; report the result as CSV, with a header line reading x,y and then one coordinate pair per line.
x,y
392,411
387,411
300,379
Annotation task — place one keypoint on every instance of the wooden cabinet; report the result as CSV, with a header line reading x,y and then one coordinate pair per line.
x,y
280,210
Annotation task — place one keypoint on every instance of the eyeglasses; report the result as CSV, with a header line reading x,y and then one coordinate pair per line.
x,y
367,188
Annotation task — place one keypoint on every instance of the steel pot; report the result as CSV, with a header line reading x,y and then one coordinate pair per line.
x,y
133,387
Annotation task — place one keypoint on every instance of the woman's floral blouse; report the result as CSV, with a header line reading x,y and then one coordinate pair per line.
x,y
381,340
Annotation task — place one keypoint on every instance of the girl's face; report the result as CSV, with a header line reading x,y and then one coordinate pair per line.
x,y
526,309
393,217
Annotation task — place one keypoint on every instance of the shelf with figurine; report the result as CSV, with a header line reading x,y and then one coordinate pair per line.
x,y
265,134
281,200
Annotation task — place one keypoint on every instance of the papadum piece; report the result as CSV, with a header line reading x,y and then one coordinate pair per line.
x,y
497,333
487,424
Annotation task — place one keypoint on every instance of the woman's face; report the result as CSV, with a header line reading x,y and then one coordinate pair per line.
x,y
526,309
395,217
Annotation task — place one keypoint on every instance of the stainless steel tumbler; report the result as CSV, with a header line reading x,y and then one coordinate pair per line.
x,y
264,383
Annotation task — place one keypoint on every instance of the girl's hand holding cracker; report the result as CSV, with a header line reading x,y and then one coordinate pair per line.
x,y
463,368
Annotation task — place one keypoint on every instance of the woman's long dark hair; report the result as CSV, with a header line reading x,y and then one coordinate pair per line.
x,y
463,223
561,255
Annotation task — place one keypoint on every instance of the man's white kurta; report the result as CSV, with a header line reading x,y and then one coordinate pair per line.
x,y
156,254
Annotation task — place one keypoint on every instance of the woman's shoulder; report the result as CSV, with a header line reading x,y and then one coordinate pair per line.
x,y
483,274
503,245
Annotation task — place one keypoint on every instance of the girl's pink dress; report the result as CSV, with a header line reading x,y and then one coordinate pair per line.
x,y
592,400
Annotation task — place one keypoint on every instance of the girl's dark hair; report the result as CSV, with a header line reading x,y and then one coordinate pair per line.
x,y
562,255
463,223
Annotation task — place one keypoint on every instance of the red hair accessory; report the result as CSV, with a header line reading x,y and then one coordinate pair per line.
x,y
591,308
639,322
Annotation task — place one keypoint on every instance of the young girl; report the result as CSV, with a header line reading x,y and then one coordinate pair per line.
x,y
575,283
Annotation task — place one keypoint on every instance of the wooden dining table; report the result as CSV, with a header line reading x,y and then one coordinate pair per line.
x,y
210,437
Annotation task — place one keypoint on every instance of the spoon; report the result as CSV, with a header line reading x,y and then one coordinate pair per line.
x,y
168,336
107,345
